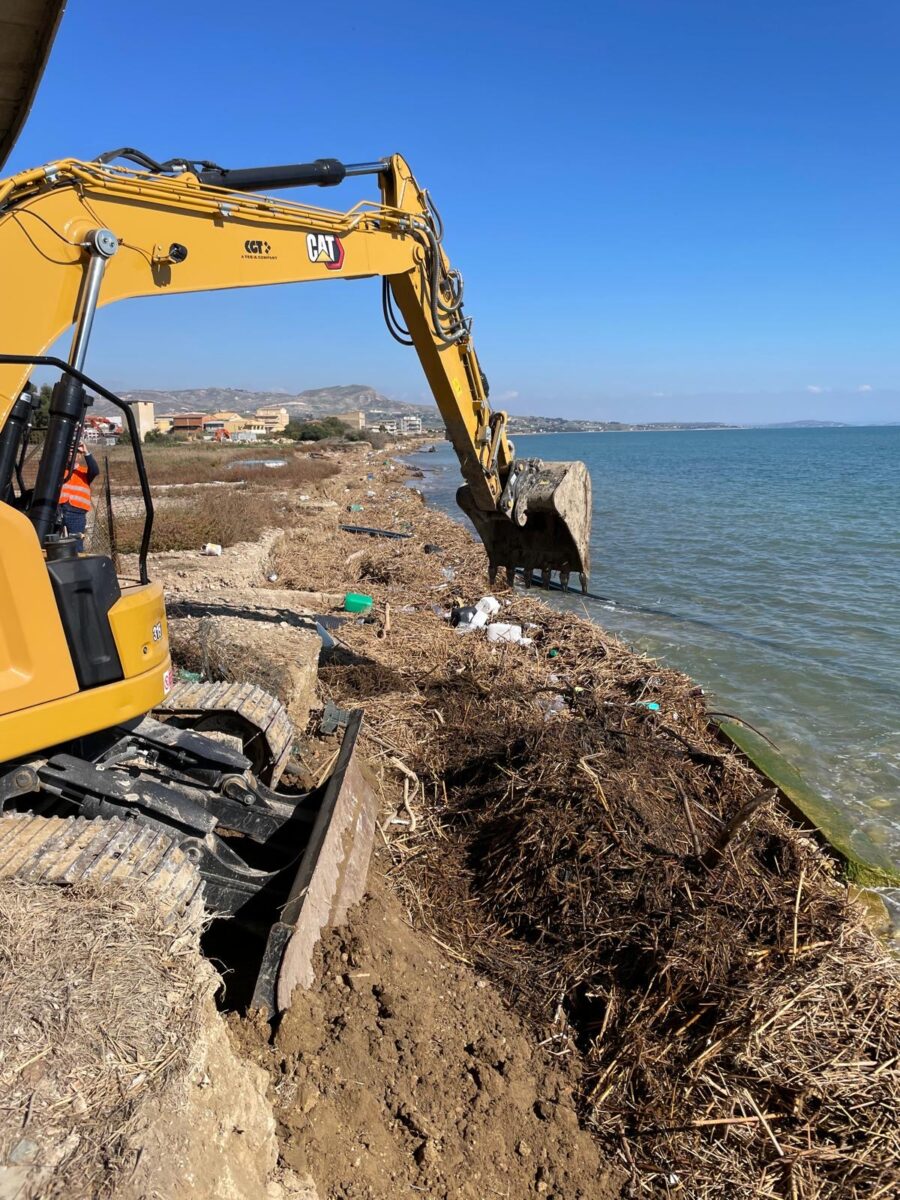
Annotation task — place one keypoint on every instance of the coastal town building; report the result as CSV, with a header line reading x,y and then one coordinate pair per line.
x,y
189,422
353,420
273,420
144,417
410,424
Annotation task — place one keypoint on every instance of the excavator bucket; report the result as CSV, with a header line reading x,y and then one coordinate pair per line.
x,y
543,522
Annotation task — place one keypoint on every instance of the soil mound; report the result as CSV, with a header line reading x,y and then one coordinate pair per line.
x,y
405,1074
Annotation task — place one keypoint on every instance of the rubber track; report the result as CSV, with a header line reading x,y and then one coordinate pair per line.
x,y
74,850
251,703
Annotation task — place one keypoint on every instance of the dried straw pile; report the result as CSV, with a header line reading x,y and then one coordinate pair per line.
x,y
100,998
634,887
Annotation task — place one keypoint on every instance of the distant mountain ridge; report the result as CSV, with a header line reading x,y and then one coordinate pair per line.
x,y
355,397
314,402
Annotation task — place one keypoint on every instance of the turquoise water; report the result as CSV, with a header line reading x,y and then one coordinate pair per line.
x,y
766,564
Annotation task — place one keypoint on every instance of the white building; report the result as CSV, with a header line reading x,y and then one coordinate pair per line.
x,y
410,424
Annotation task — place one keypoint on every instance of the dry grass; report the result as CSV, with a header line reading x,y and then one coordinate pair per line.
x,y
100,1001
201,462
199,515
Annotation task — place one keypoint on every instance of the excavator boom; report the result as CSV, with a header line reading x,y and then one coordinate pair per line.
x,y
81,233
84,656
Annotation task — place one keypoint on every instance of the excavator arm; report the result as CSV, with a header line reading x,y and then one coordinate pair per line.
x,y
90,784
77,235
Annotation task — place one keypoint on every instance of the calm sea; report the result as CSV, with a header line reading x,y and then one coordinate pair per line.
x,y
766,564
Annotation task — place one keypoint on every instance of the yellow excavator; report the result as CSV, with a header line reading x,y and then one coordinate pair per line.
x,y
105,771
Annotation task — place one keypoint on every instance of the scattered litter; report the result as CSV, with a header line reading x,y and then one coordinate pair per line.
x,y
328,642
432,548
357,602
488,605
553,652
211,549
552,706
651,704
370,530
448,572
354,508
272,577
333,717
503,631
189,676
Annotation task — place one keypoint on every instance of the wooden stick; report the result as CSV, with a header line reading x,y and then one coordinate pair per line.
x,y
797,909
713,855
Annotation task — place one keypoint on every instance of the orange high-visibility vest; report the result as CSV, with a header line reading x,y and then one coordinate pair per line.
x,y
76,490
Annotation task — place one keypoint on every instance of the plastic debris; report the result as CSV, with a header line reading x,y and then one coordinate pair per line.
x,y
357,602
448,572
328,642
372,531
213,549
333,717
503,631
354,508
488,605
552,706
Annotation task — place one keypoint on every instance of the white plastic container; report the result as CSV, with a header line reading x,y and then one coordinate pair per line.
x,y
211,548
501,631
488,605
478,620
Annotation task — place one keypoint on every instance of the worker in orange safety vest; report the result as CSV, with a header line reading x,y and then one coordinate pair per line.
x,y
75,497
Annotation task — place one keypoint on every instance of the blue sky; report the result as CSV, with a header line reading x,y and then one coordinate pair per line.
x,y
663,209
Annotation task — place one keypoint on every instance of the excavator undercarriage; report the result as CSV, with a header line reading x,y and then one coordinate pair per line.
x,y
260,856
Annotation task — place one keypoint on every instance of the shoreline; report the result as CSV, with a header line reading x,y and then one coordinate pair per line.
x,y
867,862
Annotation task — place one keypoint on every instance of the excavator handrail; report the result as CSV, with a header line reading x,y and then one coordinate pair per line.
x,y
49,360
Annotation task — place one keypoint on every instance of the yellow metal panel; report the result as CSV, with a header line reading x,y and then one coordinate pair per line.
x,y
35,665
138,623
33,729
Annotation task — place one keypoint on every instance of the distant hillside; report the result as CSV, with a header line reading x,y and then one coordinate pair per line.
x,y
806,425
315,402
352,397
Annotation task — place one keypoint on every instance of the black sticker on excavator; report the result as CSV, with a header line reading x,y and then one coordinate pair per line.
x,y
325,248
256,248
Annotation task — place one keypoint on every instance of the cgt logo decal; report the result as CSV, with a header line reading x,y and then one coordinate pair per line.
x,y
254,248
325,248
